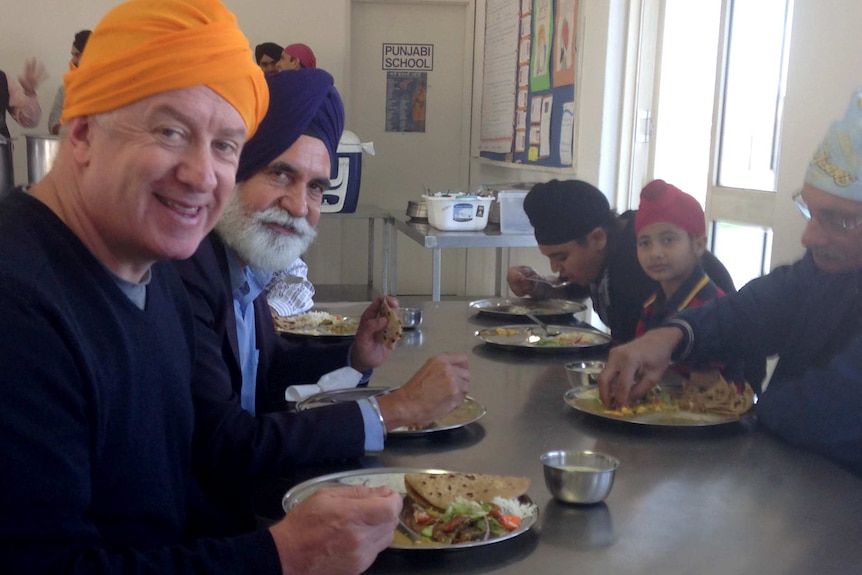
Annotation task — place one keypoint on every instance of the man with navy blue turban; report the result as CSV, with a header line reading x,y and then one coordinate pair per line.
x,y
242,365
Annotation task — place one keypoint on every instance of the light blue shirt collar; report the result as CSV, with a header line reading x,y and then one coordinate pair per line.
x,y
246,284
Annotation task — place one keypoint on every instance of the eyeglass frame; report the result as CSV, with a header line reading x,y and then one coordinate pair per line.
x,y
834,223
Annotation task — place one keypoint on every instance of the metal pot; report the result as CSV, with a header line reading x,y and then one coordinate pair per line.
x,y
41,151
417,210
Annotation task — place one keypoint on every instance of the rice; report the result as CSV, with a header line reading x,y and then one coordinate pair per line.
x,y
311,319
394,481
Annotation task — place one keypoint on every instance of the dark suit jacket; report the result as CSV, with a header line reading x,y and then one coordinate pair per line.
x,y
275,442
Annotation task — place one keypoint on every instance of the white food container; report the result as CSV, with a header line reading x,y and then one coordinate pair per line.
x,y
453,213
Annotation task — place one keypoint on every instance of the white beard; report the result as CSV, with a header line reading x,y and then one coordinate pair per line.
x,y
258,246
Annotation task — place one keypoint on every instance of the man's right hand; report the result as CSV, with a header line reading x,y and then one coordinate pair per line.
x,y
638,366
337,531
517,278
440,385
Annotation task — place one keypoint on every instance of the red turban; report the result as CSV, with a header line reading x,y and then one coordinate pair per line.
x,y
302,53
662,202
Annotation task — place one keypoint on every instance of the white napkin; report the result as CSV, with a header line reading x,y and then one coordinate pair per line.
x,y
343,378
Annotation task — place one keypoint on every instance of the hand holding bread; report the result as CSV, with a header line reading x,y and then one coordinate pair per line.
x,y
440,385
376,335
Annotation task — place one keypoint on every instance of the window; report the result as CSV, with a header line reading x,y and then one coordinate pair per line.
x,y
746,251
720,81
754,80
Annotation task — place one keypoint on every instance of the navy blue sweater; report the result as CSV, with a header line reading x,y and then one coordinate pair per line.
x,y
813,321
96,416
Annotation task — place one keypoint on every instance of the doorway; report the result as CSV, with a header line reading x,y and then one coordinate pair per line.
x,y
408,161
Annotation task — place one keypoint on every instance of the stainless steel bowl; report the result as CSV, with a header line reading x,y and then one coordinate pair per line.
x,y
584,372
417,210
584,477
411,317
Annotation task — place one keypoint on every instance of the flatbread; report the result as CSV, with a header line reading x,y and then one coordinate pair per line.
x,y
392,331
442,489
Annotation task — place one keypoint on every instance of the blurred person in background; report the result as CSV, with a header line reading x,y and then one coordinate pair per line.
x,y
297,57
19,100
267,56
78,45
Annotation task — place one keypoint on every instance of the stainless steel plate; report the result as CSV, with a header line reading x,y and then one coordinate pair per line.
x,y
532,337
586,400
468,412
343,327
520,307
393,477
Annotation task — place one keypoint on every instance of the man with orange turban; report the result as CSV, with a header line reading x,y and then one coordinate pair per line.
x,y
97,416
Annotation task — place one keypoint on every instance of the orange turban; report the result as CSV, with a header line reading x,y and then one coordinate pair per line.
x,y
147,47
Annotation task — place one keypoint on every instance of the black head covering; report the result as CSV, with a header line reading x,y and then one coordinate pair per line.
x,y
81,40
270,49
563,211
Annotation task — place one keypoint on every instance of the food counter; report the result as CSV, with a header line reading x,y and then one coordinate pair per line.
x,y
372,212
722,499
437,240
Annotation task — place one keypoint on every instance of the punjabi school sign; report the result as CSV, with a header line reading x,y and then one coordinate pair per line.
x,y
412,57
407,67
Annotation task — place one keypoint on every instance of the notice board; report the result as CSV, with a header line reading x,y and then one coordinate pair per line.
x,y
528,86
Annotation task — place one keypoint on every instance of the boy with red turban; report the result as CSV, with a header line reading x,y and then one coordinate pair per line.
x,y
671,238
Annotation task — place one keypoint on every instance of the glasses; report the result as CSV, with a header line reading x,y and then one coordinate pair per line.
x,y
827,218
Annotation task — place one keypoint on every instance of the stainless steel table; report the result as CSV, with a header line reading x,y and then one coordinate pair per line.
x,y
372,212
437,240
722,500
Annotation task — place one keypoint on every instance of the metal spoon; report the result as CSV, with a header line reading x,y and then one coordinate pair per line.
x,y
543,325
541,280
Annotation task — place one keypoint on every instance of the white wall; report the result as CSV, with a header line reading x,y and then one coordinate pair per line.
x,y
45,29
825,66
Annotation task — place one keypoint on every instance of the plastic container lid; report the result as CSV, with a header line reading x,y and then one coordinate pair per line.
x,y
349,143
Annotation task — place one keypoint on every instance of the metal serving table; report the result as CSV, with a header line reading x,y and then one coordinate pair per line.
x,y
372,212
437,240
731,499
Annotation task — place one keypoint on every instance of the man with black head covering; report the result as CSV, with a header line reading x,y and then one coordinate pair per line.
x,y
243,365
267,56
595,250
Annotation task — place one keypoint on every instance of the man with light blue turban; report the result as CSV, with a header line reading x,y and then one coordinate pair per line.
x,y
808,313
242,365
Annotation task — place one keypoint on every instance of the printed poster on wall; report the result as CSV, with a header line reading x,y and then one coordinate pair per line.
x,y
406,100
564,43
543,35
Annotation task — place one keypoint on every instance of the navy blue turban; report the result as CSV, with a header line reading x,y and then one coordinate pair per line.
x,y
301,102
